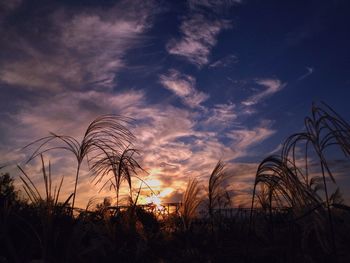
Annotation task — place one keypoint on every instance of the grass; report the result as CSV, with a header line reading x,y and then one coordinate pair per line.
x,y
218,197
287,182
107,135
297,211
117,167
190,201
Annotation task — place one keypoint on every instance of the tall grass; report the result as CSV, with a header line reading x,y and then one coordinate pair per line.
x,y
47,206
288,182
136,235
107,134
190,201
217,194
116,167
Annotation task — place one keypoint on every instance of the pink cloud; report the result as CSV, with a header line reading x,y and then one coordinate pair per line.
x,y
84,49
271,87
169,138
199,36
183,86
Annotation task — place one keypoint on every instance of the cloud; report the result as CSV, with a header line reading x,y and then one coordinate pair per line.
x,y
271,87
175,141
243,139
199,36
310,70
221,115
224,62
183,86
65,70
76,49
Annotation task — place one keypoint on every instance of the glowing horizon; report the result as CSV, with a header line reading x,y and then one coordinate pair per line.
x,y
201,81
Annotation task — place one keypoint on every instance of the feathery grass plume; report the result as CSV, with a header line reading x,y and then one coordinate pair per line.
x,y
117,167
324,128
283,186
289,182
217,194
190,201
106,134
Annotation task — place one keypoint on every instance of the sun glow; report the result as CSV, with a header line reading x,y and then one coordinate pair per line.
x,y
154,171
155,184
155,200
165,192
159,192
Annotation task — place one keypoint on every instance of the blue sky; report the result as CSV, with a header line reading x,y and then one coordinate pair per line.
x,y
204,80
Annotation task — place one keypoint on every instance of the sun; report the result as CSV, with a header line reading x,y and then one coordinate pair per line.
x,y
156,200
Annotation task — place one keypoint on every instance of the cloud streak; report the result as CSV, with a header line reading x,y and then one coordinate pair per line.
x,y
83,49
173,140
310,70
246,138
69,72
224,62
271,87
183,86
199,36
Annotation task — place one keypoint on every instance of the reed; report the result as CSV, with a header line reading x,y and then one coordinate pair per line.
x,y
47,206
106,134
190,201
290,183
114,168
218,196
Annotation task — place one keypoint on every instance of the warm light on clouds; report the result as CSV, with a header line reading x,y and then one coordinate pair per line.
x,y
183,86
199,36
244,139
87,49
196,82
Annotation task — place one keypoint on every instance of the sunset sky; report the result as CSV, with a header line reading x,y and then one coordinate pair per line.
x,y
203,80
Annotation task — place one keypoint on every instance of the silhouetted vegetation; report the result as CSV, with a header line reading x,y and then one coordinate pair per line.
x,y
297,212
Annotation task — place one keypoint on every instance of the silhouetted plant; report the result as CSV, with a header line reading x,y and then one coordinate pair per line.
x,y
190,201
289,182
47,206
106,134
117,167
8,194
218,197
9,203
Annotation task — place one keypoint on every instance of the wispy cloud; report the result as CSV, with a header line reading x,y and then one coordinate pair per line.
x,y
175,141
77,49
199,36
183,86
271,87
224,62
68,68
310,70
221,115
246,138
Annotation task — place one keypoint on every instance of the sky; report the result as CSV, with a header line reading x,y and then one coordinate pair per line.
x,y
202,80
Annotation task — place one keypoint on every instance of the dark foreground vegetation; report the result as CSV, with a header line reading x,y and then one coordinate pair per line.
x,y
297,213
